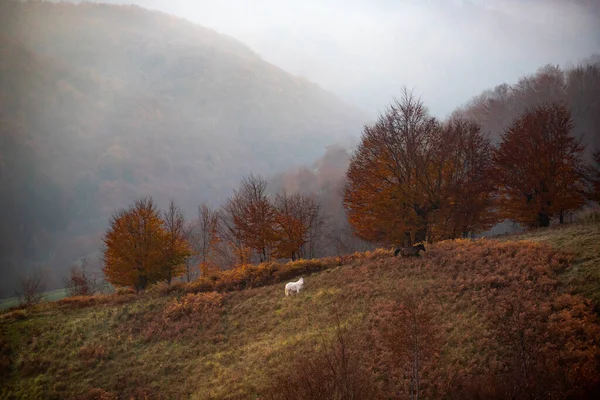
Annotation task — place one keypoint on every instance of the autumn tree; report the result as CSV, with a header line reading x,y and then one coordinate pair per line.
x,y
137,248
252,215
297,218
466,184
538,167
207,237
385,197
317,222
406,181
177,247
233,249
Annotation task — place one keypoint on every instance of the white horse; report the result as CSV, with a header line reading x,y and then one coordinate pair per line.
x,y
294,286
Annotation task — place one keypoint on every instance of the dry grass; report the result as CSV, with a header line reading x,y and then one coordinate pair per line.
x,y
583,241
192,342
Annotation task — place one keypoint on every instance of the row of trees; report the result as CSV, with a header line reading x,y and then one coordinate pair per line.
x,y
143,245
412,178
284,227
415,178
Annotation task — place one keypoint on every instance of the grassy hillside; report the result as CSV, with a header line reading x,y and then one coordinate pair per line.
x,y
102,103
493,318
582,240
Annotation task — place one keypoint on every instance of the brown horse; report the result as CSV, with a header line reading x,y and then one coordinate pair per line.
x,y
410,251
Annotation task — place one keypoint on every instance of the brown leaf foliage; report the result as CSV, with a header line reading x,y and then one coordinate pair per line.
x,y
334,371
190,312
413,179
538,167
142,248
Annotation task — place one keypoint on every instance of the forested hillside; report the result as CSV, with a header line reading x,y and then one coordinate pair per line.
x,y
100,104
578,87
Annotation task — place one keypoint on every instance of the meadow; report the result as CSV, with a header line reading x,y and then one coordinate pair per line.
x,y
492,319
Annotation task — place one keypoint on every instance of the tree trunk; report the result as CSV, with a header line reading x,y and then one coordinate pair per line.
x,y
561,217
141,283
543,220
407,239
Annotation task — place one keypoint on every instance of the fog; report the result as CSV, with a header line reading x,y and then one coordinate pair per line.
x,y
365,51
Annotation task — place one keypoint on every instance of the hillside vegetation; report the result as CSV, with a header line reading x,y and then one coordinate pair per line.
x,y
577,87
582,240
493,319
102,103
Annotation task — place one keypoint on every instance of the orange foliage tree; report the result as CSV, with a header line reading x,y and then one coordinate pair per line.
x,y
538,167
137,248
406,181
466,186
294,216
252,216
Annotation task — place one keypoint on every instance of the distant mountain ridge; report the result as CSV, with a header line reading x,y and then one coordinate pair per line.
x,y
110,102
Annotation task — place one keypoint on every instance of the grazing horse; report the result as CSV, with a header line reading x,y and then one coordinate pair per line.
x,y
410,251
294,286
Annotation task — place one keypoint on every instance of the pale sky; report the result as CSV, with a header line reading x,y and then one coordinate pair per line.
x,y
365,51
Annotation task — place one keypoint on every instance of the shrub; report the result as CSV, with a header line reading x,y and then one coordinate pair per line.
x,y
163,288
98,394
190,313
33,287
203,306
124,291
5,358
92,354
80,282
89,301
333,372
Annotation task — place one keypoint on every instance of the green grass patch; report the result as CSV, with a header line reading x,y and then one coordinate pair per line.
x,y
51,295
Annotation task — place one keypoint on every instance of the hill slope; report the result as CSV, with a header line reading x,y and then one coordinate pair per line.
x,y
577,87
101,103
493,318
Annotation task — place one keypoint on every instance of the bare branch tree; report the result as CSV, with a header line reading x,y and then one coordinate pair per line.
x,y
80,282
207,237
32,289
249,217
177,247
232,250
192,261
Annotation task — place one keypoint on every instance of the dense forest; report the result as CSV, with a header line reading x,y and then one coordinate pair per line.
x,y
100,104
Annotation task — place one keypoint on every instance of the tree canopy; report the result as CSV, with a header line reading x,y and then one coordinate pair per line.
x,y
406,180
538,167
141,248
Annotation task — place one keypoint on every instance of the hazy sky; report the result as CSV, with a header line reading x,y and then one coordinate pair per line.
x,y
365,51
